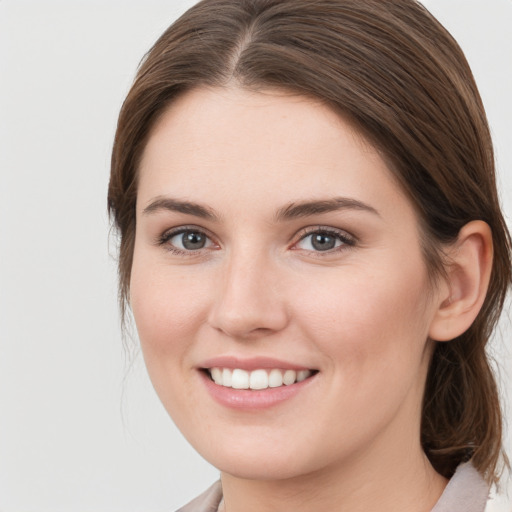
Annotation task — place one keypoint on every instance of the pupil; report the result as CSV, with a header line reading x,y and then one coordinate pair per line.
x,y
323,242
193,241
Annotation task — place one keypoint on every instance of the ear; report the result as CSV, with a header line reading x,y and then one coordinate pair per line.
x,y
463,292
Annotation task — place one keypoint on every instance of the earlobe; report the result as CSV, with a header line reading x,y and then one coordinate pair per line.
x,y
467,279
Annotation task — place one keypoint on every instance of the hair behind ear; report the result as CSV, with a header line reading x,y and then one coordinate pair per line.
x,y
462,420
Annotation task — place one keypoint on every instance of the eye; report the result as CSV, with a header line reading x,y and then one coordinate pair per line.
x,y
185,240
323,240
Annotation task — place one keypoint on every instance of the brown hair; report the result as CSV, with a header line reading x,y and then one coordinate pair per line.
x,y
397,74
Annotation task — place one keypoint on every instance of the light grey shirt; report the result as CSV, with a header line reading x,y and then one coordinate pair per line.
x,y
466,492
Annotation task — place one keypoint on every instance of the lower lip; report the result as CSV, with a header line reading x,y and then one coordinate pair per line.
x,y
253,399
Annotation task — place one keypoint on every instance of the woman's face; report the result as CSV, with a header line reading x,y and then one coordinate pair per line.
x,y
273,245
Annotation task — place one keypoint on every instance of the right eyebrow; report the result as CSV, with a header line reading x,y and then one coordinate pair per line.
x,y
316,207
175,205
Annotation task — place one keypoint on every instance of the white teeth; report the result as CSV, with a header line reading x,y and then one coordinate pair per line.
x,y
226,377
257,379
289,377
275,379
217,375
240,379
303,375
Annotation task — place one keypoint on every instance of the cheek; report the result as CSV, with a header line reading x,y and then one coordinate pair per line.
x,y
373,333
373,324
166,305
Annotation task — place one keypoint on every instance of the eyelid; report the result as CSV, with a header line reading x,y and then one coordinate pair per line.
x,y
163,239
348,239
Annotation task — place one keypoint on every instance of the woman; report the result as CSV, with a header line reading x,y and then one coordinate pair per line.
x,y
314,253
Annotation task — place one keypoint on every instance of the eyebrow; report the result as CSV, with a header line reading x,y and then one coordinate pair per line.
x,y
291,211
308,208
176,205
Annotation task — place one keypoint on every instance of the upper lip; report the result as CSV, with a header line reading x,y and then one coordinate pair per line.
x,y
250,364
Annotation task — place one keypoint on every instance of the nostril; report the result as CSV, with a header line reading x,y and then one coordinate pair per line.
x,y
247,307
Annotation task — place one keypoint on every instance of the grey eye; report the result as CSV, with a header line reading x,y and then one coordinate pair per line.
x,y
319,242
190,240
323,242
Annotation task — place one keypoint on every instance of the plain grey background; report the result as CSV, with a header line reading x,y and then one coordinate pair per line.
x,y
80,427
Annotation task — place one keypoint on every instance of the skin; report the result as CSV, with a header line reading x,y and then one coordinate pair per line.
x,y
361,313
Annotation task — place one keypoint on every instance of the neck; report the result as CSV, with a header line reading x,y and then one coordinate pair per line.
x,y
389,484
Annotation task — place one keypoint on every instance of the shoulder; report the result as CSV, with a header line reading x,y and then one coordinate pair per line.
x,y
466,490
208,501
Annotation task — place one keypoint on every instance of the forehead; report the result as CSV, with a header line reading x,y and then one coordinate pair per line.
x,y
232,146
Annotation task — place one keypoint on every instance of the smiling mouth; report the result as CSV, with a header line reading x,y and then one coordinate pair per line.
x,y
257,379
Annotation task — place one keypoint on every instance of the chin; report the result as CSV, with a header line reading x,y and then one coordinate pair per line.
x,y
257,467
261,457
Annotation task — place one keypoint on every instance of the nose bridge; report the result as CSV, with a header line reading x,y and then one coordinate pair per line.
x,y
249,301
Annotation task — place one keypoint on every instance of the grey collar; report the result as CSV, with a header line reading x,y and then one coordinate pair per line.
x,y
466,492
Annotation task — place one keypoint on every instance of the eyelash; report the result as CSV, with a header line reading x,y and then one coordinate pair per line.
x,y
347,240
164,239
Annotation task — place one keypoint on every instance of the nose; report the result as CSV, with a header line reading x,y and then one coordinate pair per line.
x,y
250,302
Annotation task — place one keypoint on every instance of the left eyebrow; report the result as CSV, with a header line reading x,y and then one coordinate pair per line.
x,y
175,205
308,208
